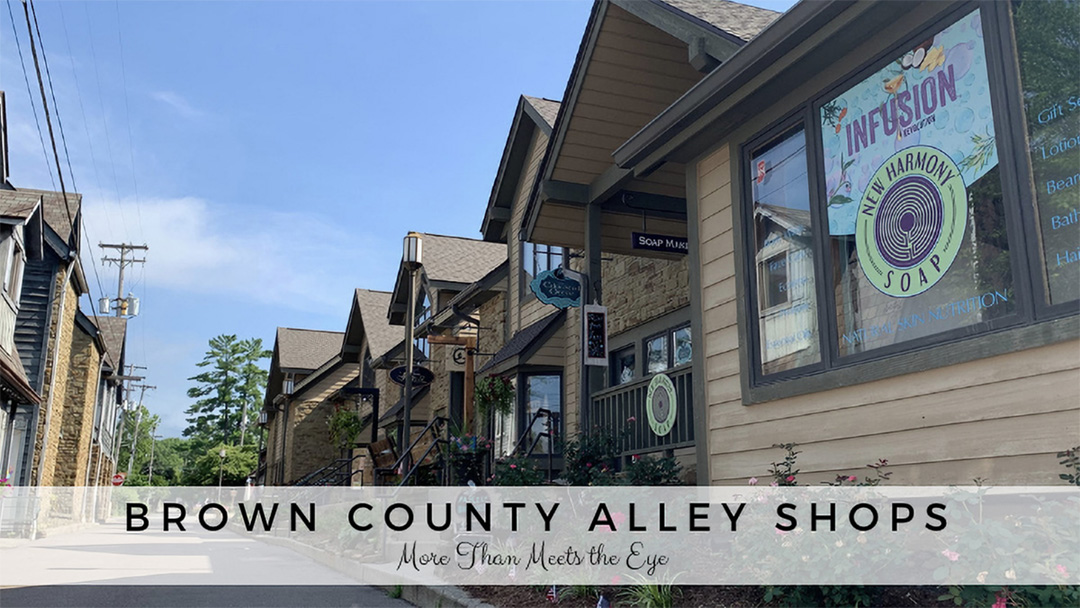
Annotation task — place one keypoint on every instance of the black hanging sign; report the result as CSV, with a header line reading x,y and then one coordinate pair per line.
x,y
661,242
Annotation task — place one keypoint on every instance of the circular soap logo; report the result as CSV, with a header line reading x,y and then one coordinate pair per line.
x,y
660,404
911,221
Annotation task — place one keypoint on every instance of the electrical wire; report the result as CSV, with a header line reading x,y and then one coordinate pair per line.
x,y
30,95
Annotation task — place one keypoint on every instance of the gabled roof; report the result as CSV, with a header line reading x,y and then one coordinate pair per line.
x,y
523,344
455,259
306,349
113,332
18,204
449,261
56,211
532,113
635,59
367,321
548,109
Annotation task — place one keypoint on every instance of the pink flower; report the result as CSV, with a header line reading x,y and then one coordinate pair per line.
x,y
631,419
773,484
1062,570
1002,602
753,481
635,457
513,466
790,478
851,478
588,464
951,555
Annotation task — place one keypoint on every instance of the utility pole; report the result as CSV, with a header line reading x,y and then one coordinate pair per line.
x,y
135,433
126,388
153,443
122,262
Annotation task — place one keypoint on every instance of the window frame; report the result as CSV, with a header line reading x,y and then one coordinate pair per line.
x,y
1022,328
529,262
523,415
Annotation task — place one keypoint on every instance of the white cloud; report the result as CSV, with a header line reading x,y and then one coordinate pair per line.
x,y
180,105
298,261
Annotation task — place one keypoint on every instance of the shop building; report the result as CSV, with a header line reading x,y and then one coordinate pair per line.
x,y
881,203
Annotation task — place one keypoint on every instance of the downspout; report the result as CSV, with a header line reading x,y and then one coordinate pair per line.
x,y
55,361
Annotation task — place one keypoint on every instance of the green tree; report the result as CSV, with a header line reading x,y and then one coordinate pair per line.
x,y
138,423
239,462
227,393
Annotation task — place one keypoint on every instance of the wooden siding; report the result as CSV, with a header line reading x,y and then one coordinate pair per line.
x,y
1001,419
634,72
32,323
525,309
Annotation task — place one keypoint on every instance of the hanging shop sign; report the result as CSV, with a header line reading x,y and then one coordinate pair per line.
x,y
660,242
559,291
455,358
660,404
901,150
421,376
595,336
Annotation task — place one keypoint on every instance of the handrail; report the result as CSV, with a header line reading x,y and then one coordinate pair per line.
x,y
549,433
406,454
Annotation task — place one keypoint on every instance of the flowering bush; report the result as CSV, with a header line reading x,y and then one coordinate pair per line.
x,y
590,459
652,471
468,443
516,471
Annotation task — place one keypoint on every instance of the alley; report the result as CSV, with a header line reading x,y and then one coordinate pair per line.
x,y
90,568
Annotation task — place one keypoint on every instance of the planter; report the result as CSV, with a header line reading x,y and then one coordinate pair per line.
x,y
468,466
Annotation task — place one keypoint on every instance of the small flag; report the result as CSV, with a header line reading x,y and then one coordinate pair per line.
x,y
760,171
553,594
603,603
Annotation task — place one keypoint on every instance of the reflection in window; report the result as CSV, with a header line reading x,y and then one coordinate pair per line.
x,y
783,236
623,369
504,435
537,258
1048,45
543,392
684,351
656,354
912,257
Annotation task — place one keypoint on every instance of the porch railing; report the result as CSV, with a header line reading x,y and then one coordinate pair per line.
x,y
613,407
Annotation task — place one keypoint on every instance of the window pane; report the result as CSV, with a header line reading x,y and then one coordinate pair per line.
x,y
1048,43
787,302
916,216
684,350
544,392
528,262
623,369
656,351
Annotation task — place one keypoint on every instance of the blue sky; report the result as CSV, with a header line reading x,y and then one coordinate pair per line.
x,y
273,154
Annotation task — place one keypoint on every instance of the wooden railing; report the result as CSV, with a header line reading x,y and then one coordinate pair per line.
x,y
612,408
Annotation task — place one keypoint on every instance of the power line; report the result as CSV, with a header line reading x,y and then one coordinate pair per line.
x,y
30,95
63,138
75,229
101,102
127,117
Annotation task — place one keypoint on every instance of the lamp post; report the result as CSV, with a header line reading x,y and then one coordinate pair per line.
x,y
412,259
221,468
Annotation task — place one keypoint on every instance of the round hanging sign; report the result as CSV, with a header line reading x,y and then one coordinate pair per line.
x,y
660,404
911,221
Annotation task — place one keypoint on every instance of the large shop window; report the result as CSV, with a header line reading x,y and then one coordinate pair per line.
x,y
1048,53
897,221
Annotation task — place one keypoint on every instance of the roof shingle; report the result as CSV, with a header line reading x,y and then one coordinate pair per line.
x,y
381,336
460,260
546,108
113,333
55,211
740,20
306,348
18,203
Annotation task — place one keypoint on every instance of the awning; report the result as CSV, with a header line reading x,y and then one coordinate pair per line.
x,y
525,345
